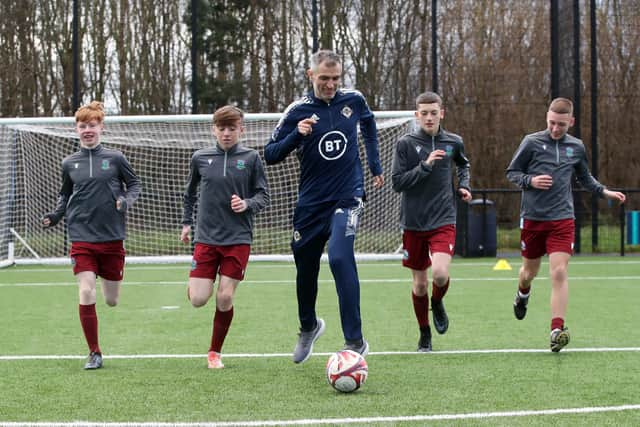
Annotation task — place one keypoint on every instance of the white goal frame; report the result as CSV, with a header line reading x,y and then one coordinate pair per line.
x,y
18,233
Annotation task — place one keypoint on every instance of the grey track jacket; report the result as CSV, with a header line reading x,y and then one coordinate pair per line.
x,y
221,174
428,198
539,154
92,181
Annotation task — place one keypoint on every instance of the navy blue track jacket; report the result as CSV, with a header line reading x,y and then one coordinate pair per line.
x,y
330,168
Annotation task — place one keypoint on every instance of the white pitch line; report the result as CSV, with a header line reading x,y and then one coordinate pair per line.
x,y
375,353
340,421
289,282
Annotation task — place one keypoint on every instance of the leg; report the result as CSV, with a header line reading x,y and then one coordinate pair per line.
x,y
420,298
307,258
200,290
111,291
558,264
343,267
221,319
88,317
440,265
528,271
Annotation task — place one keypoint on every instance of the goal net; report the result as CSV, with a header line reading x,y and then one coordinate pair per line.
x,y
159,148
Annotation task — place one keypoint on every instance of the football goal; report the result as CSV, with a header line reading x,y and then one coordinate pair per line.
x,y
159,149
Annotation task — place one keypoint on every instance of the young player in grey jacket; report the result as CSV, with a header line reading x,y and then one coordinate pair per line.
x,y
542,167
423,173
233,188
98,187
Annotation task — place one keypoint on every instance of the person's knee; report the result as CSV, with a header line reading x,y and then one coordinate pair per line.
x,y
87,295
198,300
528,274
558,274
111,301
440,276
420,287
224,301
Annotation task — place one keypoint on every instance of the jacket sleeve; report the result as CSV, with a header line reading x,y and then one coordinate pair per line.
x,y
284,140
66,189
585,178
402,177
260,189
191,192
517,169
463,168
130,179
370,137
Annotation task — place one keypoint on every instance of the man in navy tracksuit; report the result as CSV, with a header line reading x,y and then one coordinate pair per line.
x,y
322,128
98,187
543,167
230,182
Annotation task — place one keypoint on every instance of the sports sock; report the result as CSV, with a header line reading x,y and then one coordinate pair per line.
x,y
221,323
437,292
89,322
421,308
523,292
557,323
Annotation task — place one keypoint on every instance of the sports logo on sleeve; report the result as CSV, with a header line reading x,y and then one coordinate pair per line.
x,y
332,145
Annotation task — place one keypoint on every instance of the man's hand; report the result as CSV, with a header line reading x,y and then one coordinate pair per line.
x,y
465,194
185,236
378,181
435,155
542,182
614,195
237,204
305,126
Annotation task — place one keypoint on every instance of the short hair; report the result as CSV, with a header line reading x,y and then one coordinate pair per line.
x,y
428,98
329,57
92,111
227,115
561,106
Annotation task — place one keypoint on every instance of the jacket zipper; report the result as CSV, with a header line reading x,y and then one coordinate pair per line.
x,y
224,168
90,165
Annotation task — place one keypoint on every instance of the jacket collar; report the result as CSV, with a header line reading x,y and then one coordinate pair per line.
x,y
98,148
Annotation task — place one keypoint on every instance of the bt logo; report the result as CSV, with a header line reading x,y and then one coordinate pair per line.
x,y
332,145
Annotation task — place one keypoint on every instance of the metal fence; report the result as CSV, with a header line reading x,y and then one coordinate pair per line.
x,y
489,225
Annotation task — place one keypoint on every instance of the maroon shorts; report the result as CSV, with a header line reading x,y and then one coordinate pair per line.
x,y
104,259
208,260
417,246
540,237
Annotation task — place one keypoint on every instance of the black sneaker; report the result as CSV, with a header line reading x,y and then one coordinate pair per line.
x,y
424,344
559,339
360,346
440,318
520,306
304,346
94,361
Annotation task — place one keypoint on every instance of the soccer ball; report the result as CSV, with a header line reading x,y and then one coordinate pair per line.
x,y
346,371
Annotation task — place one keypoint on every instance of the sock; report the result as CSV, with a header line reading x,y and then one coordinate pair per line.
x,y
523,292
557,323
437,293
89,322
221,323
421,308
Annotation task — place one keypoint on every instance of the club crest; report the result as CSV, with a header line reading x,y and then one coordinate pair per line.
x,y
346,111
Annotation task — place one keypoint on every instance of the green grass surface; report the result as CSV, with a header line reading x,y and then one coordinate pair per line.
x,y
38,314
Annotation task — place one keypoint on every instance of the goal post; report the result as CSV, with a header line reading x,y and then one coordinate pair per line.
x,y
159,148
